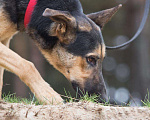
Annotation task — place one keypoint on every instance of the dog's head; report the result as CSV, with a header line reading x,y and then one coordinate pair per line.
x,y
80,50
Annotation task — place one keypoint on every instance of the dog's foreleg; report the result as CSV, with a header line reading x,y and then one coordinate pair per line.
x,y
29,75
6,43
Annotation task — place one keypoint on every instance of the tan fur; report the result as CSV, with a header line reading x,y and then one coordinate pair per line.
x,y
64,26
52,30
59,58
6,43
103,50
72,67
21,67
100,51
80,72
84,25
29,75
7,28
75,68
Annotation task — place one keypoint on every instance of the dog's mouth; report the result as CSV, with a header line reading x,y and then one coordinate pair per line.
x,y
80,91
101,98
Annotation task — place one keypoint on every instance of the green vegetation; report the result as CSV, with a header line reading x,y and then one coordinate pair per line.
x,y
84,96
146,101
11,98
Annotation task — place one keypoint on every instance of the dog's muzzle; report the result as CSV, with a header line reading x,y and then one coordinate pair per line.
x,y
99,91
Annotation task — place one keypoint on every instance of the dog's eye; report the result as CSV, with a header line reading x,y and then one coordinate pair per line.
x,y
91,60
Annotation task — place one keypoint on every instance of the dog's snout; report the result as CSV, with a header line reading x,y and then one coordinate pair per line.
x,y
92,89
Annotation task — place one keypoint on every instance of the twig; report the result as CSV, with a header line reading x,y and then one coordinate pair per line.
x,y
36,114
27,112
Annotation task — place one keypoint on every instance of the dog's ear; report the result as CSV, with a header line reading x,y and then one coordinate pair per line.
x,y
102,17
64,25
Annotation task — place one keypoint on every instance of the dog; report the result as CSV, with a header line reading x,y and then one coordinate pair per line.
x,y
68,39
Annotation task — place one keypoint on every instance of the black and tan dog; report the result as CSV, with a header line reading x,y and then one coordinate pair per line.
x,y
69,40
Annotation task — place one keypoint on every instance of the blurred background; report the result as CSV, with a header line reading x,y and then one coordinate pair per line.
x,y
126,71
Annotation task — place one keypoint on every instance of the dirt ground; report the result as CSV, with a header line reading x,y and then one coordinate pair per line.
x,y
71,111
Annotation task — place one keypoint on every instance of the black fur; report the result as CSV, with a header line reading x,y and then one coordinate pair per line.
x,y
39,25
16,10
11,8
85,43
42,24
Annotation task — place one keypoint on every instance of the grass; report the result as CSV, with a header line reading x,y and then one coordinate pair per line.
x,y
11,98
84,96
146,101
95,98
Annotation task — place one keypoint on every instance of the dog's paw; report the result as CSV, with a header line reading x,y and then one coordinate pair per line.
x,y
46,95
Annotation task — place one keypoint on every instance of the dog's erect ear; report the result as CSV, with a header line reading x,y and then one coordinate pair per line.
x,y
64,24
102,17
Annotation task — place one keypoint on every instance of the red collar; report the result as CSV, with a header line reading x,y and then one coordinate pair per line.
x,y
29,12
